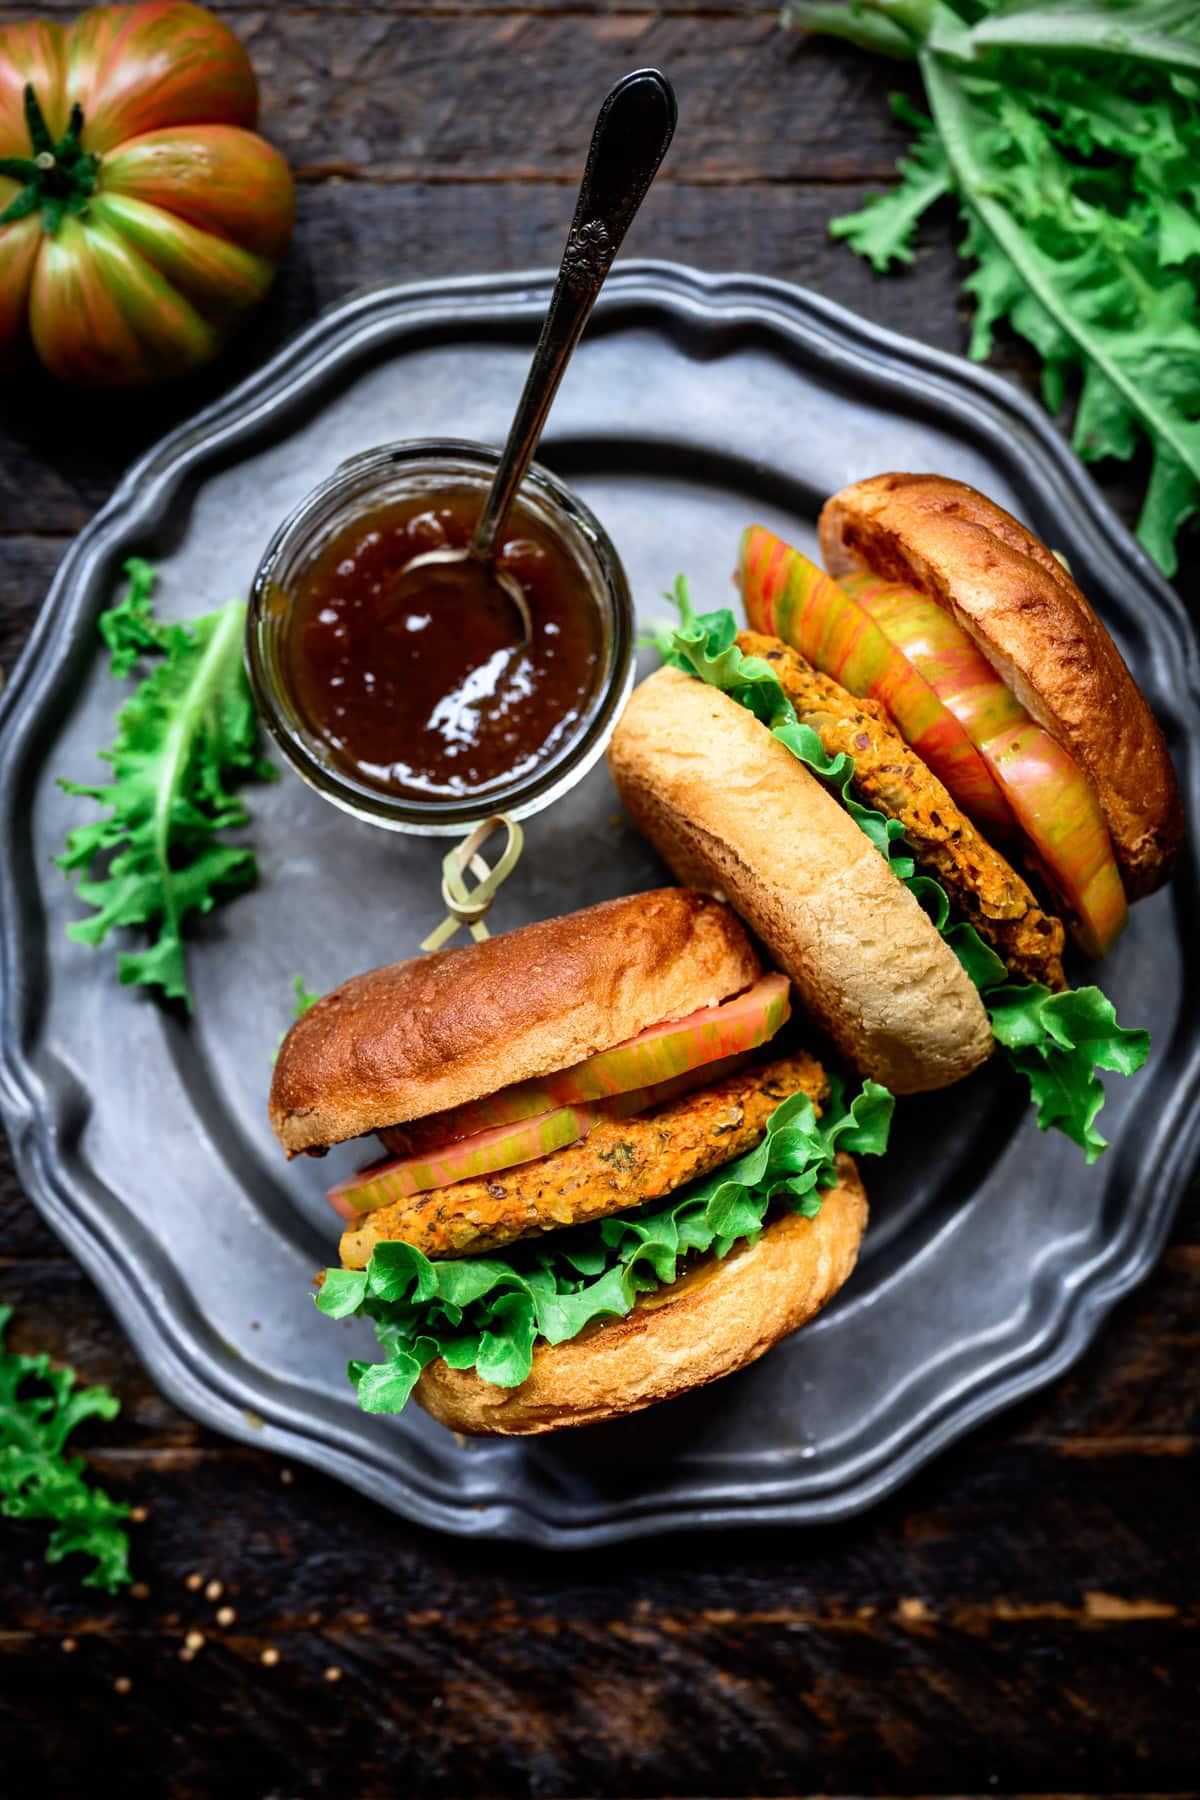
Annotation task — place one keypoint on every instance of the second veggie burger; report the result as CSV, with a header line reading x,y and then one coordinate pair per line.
x,y
842,817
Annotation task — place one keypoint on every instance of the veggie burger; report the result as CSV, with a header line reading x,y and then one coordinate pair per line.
x,y
841,771
611,1173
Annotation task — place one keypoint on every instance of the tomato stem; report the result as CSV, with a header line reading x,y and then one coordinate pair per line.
x,y
58,178
35,122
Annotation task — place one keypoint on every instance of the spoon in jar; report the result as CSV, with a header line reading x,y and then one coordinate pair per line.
x,y
633,130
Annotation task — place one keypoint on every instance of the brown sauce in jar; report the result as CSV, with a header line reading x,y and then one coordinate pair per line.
x,y
422,689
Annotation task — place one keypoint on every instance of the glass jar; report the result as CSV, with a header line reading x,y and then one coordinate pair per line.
x,y
360,488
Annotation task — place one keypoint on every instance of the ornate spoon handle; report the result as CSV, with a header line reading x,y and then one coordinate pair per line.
x,y
634,127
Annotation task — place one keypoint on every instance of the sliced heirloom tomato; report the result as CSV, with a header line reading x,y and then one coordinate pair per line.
x,y
1051,798
789,597
504,1146
654,1055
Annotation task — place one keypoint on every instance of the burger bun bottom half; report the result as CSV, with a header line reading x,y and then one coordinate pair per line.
x,y
718,1317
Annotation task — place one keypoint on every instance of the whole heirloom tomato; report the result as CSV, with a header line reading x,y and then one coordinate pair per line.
x,y
139,214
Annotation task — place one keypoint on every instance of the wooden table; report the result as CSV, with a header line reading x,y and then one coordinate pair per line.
x,y
1023,1617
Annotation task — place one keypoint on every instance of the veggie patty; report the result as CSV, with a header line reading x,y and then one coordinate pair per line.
x,y
619,1165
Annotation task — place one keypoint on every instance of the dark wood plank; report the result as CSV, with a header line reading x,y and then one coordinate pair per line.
x,y
24,1236
27,566
484,96
1013,1621
488,95
61,454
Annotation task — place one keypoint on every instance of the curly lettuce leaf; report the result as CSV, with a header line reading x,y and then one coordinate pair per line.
x,y
186,736
306,999
884,231
487,1313
1056,1042
129,628
39,1409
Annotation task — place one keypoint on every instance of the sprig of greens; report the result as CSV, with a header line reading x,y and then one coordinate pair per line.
x,y
304,1002
306,999
486,1313
184,739
1055,1041
1069,134
39,1409
129,628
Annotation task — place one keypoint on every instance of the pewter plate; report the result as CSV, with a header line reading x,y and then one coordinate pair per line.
x,y
694,405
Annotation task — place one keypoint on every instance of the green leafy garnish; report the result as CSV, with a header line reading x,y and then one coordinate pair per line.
x,y
305,998
1069,135
129,628
486,1313
305,1001
187,735
39,1409
1056,1041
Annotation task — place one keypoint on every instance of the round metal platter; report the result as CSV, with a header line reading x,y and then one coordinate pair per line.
x,y
694,405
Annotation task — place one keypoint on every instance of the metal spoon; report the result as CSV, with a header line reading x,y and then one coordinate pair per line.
x,y
633,130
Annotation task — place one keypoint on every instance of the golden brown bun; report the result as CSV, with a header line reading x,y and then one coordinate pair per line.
x,y
409,1040
717,1318
1034,626
732,810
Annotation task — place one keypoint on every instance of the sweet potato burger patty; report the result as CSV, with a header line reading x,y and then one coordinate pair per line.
x,y
620,1165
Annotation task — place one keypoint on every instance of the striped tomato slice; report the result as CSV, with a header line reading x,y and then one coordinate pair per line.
x,y
654,1055
1051,798
504,1146
789,597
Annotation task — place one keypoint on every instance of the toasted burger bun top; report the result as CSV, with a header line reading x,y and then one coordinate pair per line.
x,y
409,1040
717,1318
731,809
1034,626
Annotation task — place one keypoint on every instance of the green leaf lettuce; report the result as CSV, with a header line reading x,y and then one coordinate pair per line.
x,y
39,1409
184,739
1068,133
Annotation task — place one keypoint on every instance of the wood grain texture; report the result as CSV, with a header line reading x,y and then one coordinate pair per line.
x,y
1023,1618
487,93
975,1635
